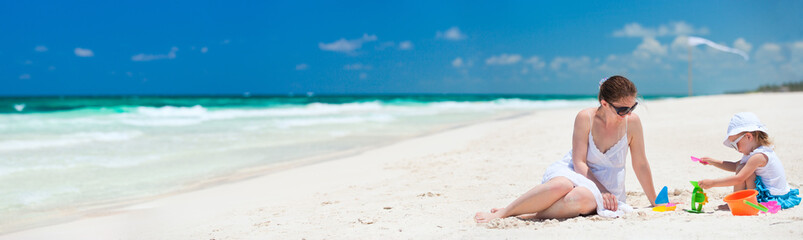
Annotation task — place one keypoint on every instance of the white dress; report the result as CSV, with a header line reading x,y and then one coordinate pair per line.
x,y
608,168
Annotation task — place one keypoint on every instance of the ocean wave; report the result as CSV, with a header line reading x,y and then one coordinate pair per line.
x,y
172,116
38,197
282,111
187,116
304,122
171,111
171,122
317,109
511,104
516,103
67,140
447,107
76,162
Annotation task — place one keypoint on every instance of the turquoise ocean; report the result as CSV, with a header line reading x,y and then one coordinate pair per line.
x,y
64,157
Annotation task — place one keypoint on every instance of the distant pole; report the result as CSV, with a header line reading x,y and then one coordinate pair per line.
x,y
690,92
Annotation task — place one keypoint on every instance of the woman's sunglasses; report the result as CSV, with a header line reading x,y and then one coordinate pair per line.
x,y
624,110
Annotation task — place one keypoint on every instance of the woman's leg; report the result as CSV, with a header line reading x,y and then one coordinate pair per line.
x,y
535,200
579,201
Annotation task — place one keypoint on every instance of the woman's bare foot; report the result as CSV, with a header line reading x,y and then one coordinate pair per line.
x,y
483,217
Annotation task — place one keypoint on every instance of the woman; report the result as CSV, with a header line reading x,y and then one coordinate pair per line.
x,y
591,177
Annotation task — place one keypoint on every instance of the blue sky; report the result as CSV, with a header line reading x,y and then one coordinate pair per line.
x,y
355,47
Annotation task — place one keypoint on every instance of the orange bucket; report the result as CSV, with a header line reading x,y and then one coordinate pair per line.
x,y
736,202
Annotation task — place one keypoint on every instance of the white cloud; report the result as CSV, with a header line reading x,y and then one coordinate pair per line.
x,y
743,45
681,43
536,62
634,30
204,49
649,47
82,52
150,57
794,66
797,51
40,48
452,34
406,45
672,29
347,46
457,62
660,64
363,75
503,59
385,45
25,76
713,71
301,67
357,66
680,28
769,52
571,63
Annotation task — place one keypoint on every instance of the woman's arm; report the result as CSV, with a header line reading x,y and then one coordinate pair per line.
x,y
582,126
640,164
749,168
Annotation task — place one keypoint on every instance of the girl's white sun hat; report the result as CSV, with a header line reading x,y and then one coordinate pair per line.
x,y
743,122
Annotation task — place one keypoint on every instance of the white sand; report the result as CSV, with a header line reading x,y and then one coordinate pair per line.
x,y
430,187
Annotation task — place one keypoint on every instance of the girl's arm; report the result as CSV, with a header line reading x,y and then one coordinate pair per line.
x,y
724,165
580,151
640,164
749,168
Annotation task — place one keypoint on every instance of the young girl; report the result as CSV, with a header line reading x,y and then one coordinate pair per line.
x,y
759,168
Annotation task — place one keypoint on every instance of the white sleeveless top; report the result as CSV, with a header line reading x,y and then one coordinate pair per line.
x,y
772,174
608,168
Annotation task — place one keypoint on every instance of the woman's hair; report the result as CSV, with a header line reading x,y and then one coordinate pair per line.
x,y
615,88
762,138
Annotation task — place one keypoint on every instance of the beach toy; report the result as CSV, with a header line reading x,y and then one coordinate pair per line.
x,y
662,197
698,199
737,203
756,206
772,206
694,159
665,207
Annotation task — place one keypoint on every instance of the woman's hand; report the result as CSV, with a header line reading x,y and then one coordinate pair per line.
x,y
609,201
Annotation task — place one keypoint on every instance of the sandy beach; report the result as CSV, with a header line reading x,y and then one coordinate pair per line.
x,y
430,187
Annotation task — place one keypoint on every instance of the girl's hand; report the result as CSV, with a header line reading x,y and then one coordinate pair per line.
x,y
609,201
705,183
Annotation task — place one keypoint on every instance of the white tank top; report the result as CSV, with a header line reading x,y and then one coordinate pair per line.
x,y
609,167
772,174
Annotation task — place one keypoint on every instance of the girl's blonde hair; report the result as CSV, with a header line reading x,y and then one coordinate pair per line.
x,y
762,138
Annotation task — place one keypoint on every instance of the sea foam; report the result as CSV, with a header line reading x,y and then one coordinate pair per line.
x,y
67,140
